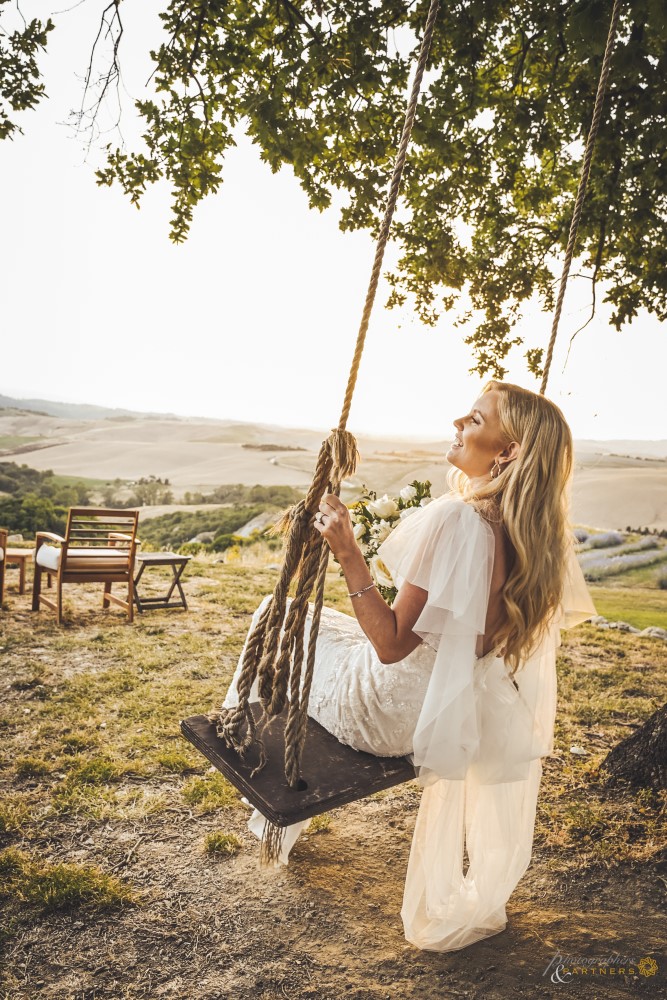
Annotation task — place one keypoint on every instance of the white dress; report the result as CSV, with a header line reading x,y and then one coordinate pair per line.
x,y
476,735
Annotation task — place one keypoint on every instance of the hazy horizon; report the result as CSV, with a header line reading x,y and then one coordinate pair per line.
x,y
414,438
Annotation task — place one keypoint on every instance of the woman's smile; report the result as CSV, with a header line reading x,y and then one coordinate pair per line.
x,y
477,438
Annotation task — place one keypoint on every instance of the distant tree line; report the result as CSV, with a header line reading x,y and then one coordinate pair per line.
x,y
237,493
178,529
37,501
147,492
662,533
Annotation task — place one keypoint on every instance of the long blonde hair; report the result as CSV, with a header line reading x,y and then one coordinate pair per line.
x,y
530,496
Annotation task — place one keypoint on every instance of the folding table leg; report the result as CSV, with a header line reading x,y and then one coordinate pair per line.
x,y
176,582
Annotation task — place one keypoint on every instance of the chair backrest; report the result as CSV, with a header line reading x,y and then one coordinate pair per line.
x,y
92,528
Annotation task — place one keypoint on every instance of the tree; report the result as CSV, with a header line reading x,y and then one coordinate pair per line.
x,y
491,177
641,759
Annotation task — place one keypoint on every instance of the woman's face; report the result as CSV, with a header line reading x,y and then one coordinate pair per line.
x,y
479,441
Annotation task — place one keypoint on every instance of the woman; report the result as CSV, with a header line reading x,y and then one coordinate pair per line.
x,y
460,671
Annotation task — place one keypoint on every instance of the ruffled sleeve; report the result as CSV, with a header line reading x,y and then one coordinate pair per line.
x,y
446,549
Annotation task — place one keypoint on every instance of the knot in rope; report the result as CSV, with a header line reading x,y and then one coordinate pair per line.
x,y
274,651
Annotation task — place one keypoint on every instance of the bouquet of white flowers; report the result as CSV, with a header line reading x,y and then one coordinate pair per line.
x,y
374,518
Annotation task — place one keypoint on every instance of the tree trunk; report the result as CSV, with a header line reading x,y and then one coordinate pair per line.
x,y
641,759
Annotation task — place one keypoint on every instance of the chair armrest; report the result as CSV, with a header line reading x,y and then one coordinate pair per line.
x,y
47,536
119,536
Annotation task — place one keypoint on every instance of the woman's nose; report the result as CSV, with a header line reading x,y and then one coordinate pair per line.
x,y
458,423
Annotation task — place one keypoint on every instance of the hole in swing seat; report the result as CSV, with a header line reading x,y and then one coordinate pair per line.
x,y
301,786
333,774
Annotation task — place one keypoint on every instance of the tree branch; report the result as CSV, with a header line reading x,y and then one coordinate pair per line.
x,y
112,75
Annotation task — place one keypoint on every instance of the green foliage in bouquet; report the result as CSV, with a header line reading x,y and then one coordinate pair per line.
x,y
374,518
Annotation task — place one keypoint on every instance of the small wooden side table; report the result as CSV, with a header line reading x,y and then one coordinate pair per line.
x,y
19,557
177,563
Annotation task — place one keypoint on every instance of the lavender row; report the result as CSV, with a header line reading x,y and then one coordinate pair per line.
x,y
588,555
597,569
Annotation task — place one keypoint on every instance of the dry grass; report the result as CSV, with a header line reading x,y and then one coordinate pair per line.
x,y
608,684
58,886
225,845
91,712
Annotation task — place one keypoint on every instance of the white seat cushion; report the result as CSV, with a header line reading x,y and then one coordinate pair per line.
x,y
83,560
2,554
48,557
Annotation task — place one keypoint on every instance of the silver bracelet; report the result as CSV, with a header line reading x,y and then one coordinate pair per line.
x,y
358,593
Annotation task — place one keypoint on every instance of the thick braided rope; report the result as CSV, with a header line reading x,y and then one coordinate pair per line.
x,y
583,184
260,653
287,655
302,551
297,717
383,237
230,722
282,656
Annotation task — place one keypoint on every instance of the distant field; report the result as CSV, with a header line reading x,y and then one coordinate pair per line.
x,y
616,483
637,606
9,442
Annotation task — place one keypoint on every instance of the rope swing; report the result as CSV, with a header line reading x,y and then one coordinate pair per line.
x,y
274,653
277,662
583,184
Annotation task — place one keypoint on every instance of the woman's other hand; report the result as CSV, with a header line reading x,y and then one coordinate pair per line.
x,y
334,522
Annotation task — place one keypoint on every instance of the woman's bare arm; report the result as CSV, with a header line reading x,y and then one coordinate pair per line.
x,y
388,629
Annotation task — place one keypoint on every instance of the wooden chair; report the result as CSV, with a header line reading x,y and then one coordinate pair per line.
x,y
99,547
3,563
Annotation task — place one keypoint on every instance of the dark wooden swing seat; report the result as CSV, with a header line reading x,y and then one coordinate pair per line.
x,y
332,774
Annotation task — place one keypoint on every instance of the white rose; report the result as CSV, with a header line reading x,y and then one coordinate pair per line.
x,y
408,510
384,507
380,573
425,501
359,530
408,493
381,530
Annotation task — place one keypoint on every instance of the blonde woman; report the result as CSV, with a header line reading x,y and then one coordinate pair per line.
x,y
460,671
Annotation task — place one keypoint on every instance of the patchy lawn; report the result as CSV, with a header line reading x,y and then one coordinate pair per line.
x,y
638,606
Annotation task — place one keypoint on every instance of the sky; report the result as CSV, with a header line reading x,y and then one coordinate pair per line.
x,y
255,317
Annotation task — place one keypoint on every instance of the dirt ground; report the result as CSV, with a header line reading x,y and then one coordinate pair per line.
x,y
327,926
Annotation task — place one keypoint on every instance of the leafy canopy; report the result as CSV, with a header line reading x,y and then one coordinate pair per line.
x,y
20,86
491,176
